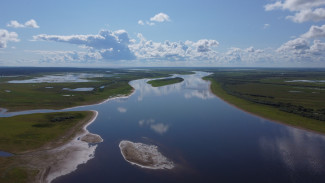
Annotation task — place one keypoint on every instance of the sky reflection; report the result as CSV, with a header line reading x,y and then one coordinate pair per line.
x,y
298,149
195,85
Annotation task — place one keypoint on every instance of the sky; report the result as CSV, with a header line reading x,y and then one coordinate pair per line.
x,y
168,33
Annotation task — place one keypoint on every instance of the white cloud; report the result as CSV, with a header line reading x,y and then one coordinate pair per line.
x,y
110,45
205,45
303,49
294,5
67,56
150,23
121,109
14,24
6,36
308,14
140,22
305,10
315,32
30,23
296,46
188,50
265,26
160,17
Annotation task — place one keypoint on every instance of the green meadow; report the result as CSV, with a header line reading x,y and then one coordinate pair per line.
x,y
275,94
163,82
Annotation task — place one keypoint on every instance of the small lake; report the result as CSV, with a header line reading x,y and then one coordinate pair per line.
x,y
207,139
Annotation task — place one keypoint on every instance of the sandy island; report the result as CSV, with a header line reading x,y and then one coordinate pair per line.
x,y
143,155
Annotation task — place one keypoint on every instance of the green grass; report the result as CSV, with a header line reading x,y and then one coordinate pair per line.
x,y
255,89
163,82
25,133
28,132
27,96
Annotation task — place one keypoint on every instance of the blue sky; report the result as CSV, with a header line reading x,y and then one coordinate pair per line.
x,y
255,33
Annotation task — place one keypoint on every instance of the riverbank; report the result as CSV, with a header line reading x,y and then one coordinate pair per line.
x,y
267,112
58,157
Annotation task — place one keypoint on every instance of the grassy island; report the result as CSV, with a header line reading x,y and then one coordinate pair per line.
x,y
275,94
24,135
163,82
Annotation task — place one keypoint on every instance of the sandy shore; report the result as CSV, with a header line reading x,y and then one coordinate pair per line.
x,y
64,159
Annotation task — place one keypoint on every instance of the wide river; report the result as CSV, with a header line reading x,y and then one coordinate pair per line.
x,y
207,139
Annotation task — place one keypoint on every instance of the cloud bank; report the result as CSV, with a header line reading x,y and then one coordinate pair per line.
x,y
304,10
110,45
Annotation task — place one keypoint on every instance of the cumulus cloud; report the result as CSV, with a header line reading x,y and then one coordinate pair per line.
x,y
160,17
140,22
305,10
296,46
188,50
6,37
67,56
306,47
294,5
205,45
110,45
315,32
30,23
306,15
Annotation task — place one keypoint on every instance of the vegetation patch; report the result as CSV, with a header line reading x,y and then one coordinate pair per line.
x,y
265,93
27,132
24,134
27,96
163,82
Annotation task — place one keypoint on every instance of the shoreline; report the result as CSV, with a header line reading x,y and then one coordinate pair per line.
x,y
260,115
117,96
64,159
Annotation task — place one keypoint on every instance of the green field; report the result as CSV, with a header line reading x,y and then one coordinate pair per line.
x,y
28,132
268,93
26,96
163,82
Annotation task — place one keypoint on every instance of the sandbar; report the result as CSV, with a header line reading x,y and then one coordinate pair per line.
x,y
144,156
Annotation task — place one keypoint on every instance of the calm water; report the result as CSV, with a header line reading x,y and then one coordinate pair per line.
x,y
208,140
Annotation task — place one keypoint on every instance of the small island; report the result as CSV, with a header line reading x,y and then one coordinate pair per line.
x,y
163,82
143,155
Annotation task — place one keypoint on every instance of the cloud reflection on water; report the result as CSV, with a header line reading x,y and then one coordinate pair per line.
x,y
195,85
159,128
121,109
298,150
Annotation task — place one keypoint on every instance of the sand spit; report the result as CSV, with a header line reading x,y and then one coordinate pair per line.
x,y
64,159
143,155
